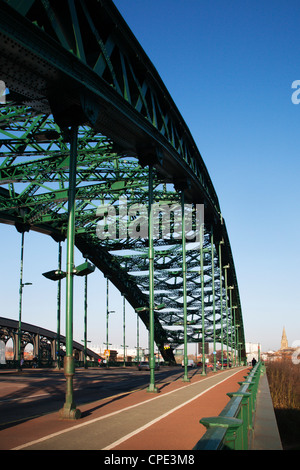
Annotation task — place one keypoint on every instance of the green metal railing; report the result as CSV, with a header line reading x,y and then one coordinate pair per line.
x,y
232,429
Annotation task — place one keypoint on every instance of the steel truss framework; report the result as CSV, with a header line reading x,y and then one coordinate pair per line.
x,y
75,66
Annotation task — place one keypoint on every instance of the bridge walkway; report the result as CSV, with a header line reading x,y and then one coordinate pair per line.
x,y
168,420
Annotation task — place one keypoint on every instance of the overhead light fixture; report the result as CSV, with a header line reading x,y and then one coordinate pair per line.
x,y
55,275
82,270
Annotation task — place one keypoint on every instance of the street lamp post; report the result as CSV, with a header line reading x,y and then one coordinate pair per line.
x,y
20,302
124,345
107,312
84,270
185,354
85,341
85,321
138,337
20,321
69,410
202,299
226,306
57,275
234,334
151,387
213,294
57,349
230,288
221,300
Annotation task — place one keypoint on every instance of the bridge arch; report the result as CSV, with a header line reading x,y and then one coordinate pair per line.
x,y
41,340
88,131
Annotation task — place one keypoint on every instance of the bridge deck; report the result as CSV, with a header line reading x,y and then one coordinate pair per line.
x,y
168,420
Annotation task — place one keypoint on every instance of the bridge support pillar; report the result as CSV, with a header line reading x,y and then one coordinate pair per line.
x,y
226,304
36,346
212,247
53,350
221,302
185,356
151,387
15,339
202,299
69,411
231,288
20,303
57,345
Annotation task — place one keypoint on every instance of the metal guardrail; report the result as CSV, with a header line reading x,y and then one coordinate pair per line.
x,y
232,429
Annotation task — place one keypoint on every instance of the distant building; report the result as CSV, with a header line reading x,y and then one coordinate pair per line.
x,y
283,353
284,341
116,353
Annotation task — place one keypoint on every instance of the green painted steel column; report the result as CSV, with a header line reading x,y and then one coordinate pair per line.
x,y
213,294
107,312
239,347
85,321
234,331
231,326
124,326
226,299
69,411
151,387
138,336
20,302
221,300
185,353
202,299
58,310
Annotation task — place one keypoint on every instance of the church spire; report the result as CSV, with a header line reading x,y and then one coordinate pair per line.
x,y
284,341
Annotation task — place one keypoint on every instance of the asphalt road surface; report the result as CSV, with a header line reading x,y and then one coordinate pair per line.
x,y
32,393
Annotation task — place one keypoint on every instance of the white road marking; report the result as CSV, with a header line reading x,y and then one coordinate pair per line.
x,y
100,418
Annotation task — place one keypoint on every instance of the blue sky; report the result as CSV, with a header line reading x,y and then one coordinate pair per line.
x,y
229,67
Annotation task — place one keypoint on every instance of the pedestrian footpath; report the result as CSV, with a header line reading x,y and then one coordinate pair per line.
x,y
168,420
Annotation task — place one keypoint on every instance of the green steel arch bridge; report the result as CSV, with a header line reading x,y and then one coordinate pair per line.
x,y
44,341
94,151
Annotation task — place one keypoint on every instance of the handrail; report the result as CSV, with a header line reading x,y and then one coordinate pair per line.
x,y
233,428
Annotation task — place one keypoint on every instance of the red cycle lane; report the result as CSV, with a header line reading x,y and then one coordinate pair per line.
x,y
168,426
181,430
